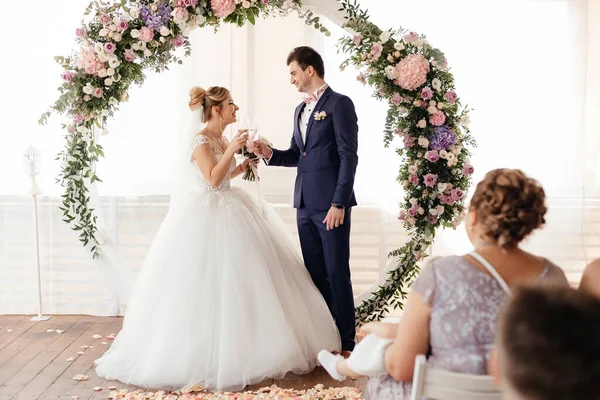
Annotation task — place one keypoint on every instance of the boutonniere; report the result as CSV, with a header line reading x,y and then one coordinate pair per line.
x,y
321,115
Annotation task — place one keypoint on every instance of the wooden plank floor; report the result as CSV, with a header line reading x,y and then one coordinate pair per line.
x,y
33,359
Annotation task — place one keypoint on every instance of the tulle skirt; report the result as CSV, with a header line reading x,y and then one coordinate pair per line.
x,y
223,300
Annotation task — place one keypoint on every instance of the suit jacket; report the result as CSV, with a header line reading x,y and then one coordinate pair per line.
x,y
327,161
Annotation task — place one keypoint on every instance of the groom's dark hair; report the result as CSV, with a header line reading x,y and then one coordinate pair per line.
x,y
306,56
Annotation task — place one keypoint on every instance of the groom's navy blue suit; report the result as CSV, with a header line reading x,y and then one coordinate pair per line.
x,y
326,163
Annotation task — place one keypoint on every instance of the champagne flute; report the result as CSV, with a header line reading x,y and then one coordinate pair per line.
x,y
252,129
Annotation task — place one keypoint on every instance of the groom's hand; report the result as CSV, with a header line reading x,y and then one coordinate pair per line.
x,y
263,150
334,218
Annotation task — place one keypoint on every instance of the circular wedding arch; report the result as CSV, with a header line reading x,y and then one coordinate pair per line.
x,y
123,39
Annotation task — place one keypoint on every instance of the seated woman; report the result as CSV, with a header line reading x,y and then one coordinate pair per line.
x,y
451,310
590,281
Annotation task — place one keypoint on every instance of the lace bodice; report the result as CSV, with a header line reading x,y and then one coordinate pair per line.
x,y
201,181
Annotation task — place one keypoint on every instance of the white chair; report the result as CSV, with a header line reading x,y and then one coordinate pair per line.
x,y
437,384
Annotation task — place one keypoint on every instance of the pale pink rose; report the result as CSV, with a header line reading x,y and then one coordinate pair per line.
x,y
418,103
122,25
178,41
426,93
411,221
451,97
357,39
422,124
431,219
180,15
222,8
402,215
88,61
109,48
361,78
129,55
68,76
382,92
97,93
432,156
468,169
263,2
437,119
181,3
376,50
414,179
77,119
411,37
80,32
71,129
409,141
457,194
412,212
412,71
104,19
146,34
430,180
446,199
396,99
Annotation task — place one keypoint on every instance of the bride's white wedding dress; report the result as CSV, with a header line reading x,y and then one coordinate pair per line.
x,y
223,299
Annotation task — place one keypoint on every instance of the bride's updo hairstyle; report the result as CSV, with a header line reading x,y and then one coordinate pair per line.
x,y
509,206
214,96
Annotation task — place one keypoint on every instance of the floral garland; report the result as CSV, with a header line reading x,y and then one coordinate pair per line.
x,y
121,41
427,115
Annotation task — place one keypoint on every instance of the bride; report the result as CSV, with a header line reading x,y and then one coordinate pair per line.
x,y
223,299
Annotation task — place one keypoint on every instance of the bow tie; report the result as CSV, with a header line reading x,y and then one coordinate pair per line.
x,y
310,98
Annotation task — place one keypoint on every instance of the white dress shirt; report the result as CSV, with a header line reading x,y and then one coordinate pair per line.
x,y
308,110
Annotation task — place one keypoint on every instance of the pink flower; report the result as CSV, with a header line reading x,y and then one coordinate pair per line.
x,y
361,78
451,97
382,92
129,55
357,39
146,34
411,37
109,48
411,221
430,180
409,141
437,119
446,199
427,93
414,179
396,98
77,119
468,169
402,215
376,50
80,32
412,212
222,8
104,19
431,219
71,129
457,194
97,93
122,25
178,41
432,156
89,62
412,71
68,76
180,15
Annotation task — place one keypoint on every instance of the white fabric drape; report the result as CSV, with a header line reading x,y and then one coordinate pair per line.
x,y
528,68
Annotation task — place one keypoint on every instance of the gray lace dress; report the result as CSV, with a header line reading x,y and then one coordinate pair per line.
x,y
465,302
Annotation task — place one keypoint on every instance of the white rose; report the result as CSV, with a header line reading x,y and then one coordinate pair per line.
x,y
135,33
164,31
422,124
108,81
246,4
423,142
390,72
87,97
125,17
441,106
147,53
113,101
117,37
112,27
432,103
103,32
88,89
403,111
452,162
440,209
385,36
397,54
114,62
465,121
135,46
444,154
98,48
441,187
110,72
456,150
82,129
433,211
437,84
412,169
390,58
134,12
399,46
432,110
102,73
103,57
413,201
421,211
451,156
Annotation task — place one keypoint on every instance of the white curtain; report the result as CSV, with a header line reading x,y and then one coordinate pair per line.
x,y
528,68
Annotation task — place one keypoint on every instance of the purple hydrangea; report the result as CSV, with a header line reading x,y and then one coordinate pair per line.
x,y
154,22
442,138
145,12
164,10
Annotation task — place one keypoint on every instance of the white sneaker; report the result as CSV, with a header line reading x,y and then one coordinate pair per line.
x,y
328,361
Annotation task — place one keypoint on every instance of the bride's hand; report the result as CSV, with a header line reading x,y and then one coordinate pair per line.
x,y
248,162
238,141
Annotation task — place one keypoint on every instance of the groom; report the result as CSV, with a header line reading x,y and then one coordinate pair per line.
x,y
324,150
